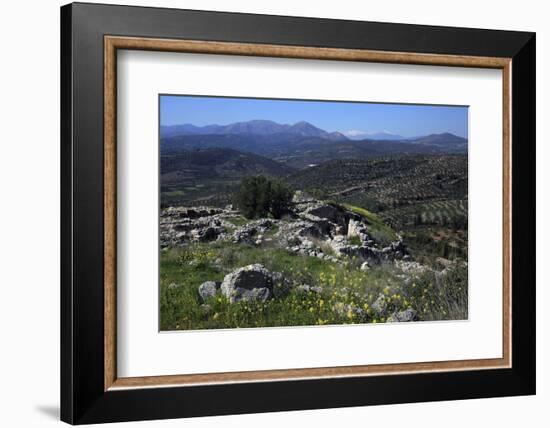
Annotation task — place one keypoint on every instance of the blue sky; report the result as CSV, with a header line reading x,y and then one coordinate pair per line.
x,y
407,120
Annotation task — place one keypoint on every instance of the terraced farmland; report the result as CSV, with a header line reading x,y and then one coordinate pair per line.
x,y
404,191
440,212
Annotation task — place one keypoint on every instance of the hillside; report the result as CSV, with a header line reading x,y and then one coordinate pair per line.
x,y
322,263
404,190
217,162
300,152
211,173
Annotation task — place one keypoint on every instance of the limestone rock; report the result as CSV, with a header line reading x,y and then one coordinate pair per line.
x,y
208,289
380,305
252,282
407,315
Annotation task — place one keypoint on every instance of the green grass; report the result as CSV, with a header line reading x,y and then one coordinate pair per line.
x,y
238,221
173,194
376,226
347,295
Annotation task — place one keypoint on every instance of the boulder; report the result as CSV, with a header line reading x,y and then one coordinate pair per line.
x,y
209,233
407,315
322,226
410,267
330,212
304,288
356,228
206,309
208,289
245,234
252,282
300,228
380,305
338,243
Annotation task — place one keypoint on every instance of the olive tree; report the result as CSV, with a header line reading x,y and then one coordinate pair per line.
x,y
259,196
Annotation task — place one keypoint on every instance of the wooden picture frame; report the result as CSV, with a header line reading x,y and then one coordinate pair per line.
x,y
91,390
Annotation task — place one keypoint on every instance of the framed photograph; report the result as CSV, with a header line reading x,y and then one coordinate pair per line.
x,y
267,213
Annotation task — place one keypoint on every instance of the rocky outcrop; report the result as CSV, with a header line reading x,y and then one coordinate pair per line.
x,y
252,232
314,229
190,212
411,267
181,225
206,233
367,249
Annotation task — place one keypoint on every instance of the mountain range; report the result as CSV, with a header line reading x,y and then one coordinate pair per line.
x,y
300,145
252,127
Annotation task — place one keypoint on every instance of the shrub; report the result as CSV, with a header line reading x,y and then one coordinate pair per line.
x,y
259,196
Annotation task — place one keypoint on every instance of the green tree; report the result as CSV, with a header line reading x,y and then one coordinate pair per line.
x,y
259,196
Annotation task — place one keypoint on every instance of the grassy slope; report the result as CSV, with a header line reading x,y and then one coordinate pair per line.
x,y
347,296
375,224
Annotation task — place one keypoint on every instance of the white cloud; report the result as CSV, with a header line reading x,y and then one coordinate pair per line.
x,y
353,133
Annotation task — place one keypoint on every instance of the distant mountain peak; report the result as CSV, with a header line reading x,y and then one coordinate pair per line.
x,y
307,129
251,127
